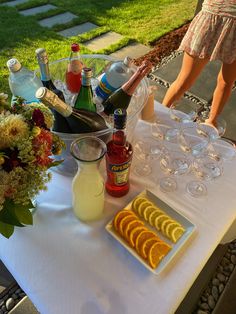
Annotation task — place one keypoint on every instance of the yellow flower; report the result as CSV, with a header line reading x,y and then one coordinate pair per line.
x,y
12,129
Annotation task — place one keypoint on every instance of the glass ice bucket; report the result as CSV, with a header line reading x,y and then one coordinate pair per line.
x,y
98,63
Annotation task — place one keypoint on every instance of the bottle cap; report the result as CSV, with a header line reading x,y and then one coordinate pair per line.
x,y
87,72
40,92
13,65
120,117
128,61
75,47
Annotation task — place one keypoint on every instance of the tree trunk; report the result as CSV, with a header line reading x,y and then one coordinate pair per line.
x,y
198,7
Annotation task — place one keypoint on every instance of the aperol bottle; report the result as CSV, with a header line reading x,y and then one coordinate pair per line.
x,y
118,157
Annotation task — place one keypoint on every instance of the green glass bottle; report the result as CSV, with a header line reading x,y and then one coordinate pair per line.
x,y
85,97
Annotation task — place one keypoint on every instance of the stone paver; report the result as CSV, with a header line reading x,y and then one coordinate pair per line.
x,y
36,10
62,18
204,85
23,307
134,50
78,29
14,3
103,41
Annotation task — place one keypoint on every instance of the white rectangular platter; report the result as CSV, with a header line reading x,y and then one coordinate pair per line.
x,y
190,229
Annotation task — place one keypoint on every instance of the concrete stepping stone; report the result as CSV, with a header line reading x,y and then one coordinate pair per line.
x,y
62,18
14,3
78,29
103,41
133,50
204,85
36,10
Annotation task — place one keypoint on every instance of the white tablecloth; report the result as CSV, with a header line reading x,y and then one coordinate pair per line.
x,y
69,267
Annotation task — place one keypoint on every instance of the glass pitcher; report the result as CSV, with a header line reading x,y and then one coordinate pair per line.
x,y
88,183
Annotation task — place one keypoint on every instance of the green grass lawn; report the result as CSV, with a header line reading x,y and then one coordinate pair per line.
x,y
137,20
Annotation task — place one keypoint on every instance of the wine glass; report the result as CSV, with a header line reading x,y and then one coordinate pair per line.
x,y
182,115
145,151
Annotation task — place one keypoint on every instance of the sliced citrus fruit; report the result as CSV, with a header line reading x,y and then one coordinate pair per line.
x,y
119,216
165,224
153,216
170,227
142,206
144,235
137,201
156,252
134,233
146,246
123,223
159,220
130,226
176,233
147,211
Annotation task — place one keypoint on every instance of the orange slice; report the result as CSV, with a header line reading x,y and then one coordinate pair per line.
x,y
146,246
159,220
137,201
134,233
142,207
142,236
130,226
153,216
121,214
156,252
123,223
176,233
147,211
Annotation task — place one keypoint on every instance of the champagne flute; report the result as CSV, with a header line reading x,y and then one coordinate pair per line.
x,y
222,150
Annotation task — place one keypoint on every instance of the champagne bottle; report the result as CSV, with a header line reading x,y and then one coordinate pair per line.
x,y
85,96
60,123
121,97
79,120
74,69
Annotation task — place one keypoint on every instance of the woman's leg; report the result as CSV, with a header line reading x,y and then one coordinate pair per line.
x,y
225,82
190,70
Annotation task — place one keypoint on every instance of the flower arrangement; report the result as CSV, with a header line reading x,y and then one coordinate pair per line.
x,y
26,149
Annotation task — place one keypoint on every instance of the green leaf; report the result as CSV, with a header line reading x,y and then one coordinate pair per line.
x,y
16,214
56,163
7,214
24,215
6,230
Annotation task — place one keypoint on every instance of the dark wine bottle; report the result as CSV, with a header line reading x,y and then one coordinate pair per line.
x,y
121,97
60,123
79,120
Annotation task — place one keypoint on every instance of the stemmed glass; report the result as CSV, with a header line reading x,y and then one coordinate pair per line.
x,y
195,145
145,151
222,150
174,163
181,114
213,132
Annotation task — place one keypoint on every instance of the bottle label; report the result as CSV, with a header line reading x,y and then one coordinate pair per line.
x,y
104,89
120,172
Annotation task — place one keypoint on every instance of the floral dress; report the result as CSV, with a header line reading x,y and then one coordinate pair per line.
x,y
212,32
